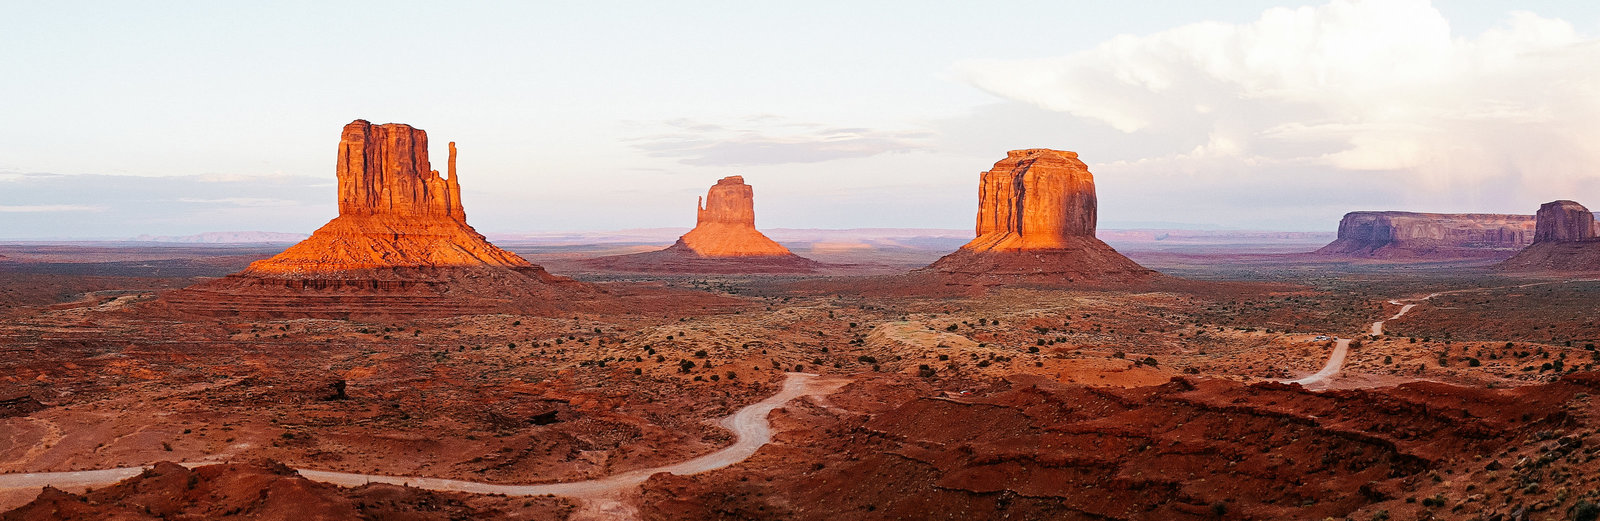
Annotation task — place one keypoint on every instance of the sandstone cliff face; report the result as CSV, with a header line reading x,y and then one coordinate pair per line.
x,y
1430,235
384,170
1034,199
724,240
1564,221
1036,223
400,246
1567,241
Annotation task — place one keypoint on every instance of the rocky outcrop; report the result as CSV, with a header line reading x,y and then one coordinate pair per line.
x,y
1564,221
725,224
724,240
400,246
1036,224
258,490
1567,240
1429,235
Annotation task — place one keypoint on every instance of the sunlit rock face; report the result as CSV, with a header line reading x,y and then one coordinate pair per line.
x,y
1413,234
1034,199
1036,223
725,224
724,240
1567,240
394,211
400,245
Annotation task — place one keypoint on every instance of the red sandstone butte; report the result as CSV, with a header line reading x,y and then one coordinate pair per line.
x,y
1036,223
1566,240
724,240
400,245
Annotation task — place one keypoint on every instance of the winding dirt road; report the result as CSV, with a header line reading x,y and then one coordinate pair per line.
x,y
749,424
1341,347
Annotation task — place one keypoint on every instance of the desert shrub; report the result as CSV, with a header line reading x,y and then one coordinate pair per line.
x,y
1584,511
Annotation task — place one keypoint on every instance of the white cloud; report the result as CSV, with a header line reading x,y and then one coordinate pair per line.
x,y
768,140
1353,85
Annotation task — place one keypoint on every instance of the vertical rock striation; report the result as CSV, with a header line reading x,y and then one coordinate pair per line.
x,y
1035,199
1563,221
1036,223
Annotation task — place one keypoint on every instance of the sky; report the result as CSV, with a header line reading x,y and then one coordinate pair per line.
x,y
172,118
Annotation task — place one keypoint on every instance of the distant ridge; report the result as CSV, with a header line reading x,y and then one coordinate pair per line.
x,y
226,238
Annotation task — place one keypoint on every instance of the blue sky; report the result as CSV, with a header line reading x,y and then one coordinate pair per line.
x,y
174,118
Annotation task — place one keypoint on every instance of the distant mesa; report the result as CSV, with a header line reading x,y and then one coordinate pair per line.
x,y
1430,235
1036,224
400,245
724,240
1567,240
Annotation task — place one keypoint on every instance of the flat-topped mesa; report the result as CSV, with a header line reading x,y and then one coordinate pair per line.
x,y
384,170
1034,199
1036,224
725,224
1564,221
1414,234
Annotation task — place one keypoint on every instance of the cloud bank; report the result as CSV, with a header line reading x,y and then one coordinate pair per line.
x,y
1507,117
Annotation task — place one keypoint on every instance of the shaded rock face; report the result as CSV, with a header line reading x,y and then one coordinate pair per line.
x,y
1036,224
1564,221
400,245
724,240
1567,241
1412,234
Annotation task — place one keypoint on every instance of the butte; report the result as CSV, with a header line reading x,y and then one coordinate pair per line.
x,y
1036,224
1566,239
724,240
400,246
